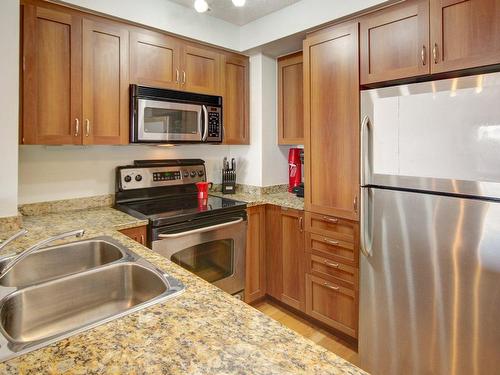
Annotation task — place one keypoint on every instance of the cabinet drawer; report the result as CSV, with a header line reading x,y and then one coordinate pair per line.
x,y
342,251
332,304
333,271
331,226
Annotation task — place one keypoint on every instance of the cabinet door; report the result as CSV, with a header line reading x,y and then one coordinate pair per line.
x,y
290,100
105,83
154,60
236,101
51,110
201,70
464,34
331,119
332,304
395,42
274,255
293,258
138,234
255,279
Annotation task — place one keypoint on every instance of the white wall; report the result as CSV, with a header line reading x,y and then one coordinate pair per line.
x,y
9,104
168,16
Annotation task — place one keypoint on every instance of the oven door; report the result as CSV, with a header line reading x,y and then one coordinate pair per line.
x,y
163,121
216,253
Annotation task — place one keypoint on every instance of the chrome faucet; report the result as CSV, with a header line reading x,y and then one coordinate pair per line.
x,y
21,233
35,247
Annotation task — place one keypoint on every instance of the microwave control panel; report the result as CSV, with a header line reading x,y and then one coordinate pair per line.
x,y
148,177
214,124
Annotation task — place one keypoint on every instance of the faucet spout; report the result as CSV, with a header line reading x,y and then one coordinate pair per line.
x,y
14,237
38,246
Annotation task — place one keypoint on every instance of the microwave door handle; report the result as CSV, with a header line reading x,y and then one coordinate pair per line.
x,y
199,230
205,123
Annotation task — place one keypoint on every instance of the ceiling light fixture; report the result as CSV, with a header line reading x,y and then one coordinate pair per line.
x,y
239,3
201,6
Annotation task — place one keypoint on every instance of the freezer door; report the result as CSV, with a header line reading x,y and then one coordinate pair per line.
x,y
430,285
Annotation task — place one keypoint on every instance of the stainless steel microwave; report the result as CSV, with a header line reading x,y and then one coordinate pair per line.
x,y
168,116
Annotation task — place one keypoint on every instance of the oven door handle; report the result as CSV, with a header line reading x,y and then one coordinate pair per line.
x,y
199,230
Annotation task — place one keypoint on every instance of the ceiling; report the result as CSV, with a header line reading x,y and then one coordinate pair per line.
x,y
253,9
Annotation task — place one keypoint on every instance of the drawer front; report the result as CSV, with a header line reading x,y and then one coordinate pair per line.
x,y
336,272
332,227
338,250
332,304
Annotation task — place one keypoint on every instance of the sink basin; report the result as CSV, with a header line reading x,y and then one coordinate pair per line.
x,y
99,285
56,261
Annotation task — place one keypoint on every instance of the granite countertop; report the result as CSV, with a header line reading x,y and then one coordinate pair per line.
x,y
283,199
202,331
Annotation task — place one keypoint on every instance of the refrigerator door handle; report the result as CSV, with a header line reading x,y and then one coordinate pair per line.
x,y
365,152
365,223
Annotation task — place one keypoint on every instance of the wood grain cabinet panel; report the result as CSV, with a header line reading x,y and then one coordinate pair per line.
x,y
336,272
154,60
51,84
201,70
274,257
464,34
138,234
105,83
236,100
332,304
290,100
331,119
293,260
394,42
255,278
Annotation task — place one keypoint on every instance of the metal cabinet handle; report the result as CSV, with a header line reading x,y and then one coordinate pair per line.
x,y
330,264
183,77
331,219
435,53
177,75
142,239
331,286
423,55
87,127
301,223
77,127
332,242
355,204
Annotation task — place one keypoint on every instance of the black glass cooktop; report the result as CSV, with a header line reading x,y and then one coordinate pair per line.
x,y
163,211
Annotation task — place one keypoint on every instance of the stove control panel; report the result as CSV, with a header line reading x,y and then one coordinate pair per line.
x,y
148,177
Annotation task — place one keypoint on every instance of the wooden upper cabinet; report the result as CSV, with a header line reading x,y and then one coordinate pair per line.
x,y
464,34
236,101
293,258
290,100
154,60
105,83
394,42
331,121
201,70
51,82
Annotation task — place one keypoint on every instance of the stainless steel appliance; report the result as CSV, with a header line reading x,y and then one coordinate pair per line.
x,y
168,116
430,228
205,236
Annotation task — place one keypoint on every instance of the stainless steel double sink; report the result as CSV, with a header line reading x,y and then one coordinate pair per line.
x,y
66,289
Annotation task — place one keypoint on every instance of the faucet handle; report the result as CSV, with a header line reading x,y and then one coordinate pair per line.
x,y
14,237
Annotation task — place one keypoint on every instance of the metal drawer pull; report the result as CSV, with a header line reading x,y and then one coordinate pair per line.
x,y
435,53
331,286
87,127
77,127
331,219
332,242
330,264
423,55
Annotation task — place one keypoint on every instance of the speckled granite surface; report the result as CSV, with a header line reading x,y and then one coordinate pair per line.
x,y
85,203
10,223
203,331
283,199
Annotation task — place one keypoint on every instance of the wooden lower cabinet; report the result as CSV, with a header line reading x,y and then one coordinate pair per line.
x,y
332,304
139,234
255,276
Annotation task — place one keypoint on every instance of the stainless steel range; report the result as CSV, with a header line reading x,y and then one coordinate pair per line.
x,y
206,237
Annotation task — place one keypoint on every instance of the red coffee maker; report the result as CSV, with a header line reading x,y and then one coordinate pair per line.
x,y
294,168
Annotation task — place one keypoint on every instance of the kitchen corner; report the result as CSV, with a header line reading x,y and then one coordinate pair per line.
x,y
204,330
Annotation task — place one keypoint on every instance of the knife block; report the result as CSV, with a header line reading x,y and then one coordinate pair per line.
x,y
228,181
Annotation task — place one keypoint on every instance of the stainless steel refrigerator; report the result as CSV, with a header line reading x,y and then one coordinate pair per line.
x,y
430,228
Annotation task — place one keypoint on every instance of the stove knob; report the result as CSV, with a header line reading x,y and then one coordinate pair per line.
x,y
186,174
200,173
127,178
138,178
193,174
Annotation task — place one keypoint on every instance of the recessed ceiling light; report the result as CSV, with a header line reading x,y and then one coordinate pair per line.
x,y
200,6
239,3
